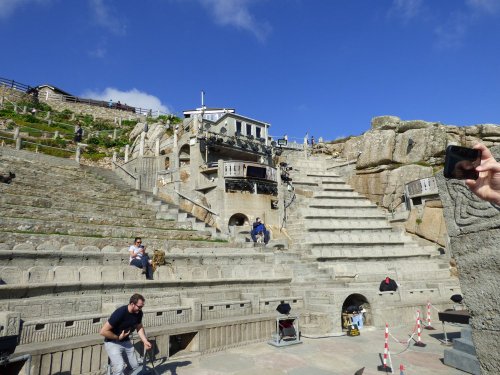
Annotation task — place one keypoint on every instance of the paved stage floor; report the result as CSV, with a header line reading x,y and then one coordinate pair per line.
x,y
333,355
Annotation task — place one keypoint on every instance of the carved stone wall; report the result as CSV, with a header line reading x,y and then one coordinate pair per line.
x,y
474,230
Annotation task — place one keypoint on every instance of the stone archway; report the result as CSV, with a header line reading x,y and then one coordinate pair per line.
x,y
238,223
357,299
185,155
238,220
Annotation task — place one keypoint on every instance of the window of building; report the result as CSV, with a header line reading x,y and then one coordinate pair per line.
x,y
249,129
257,132
238,127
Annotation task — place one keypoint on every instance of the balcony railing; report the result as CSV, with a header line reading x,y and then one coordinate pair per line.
x,y
244,169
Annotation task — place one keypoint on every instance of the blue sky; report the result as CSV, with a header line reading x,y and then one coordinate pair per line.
x,y
322,66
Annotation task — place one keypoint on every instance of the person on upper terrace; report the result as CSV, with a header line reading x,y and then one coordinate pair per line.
x,y
487,186
259,229
139,258
78,133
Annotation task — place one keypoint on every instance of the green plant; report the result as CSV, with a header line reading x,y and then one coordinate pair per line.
x,y
418,221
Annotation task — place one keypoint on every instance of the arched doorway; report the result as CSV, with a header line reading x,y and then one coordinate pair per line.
x,y
185,155
357,300
238,223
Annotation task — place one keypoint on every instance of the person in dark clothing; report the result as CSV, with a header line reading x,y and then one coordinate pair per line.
x,y
78,134
116,332
388,285
258,228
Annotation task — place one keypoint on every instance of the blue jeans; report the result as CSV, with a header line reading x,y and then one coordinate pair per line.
x,y
143,263
117,352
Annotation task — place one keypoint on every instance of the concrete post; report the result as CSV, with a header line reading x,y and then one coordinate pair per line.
x,y
120,121
16,133
114,134
175,139
49,122
115,120
93,116
47,116
127,150
157,147
24,110
56,134
1,101
15,107
138,183
46,95
18,143
113,167
141,144
78,153
72,117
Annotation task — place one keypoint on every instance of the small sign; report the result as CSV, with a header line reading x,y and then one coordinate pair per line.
x,y
282,142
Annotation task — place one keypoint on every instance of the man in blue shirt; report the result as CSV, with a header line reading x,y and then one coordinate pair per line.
x,y
116,333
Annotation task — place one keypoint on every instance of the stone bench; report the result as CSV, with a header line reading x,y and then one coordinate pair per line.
x,y
224,309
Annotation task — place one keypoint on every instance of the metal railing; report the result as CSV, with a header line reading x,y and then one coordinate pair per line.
x,y
9,83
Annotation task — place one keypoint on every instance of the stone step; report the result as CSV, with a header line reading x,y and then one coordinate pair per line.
x,y
362,254
31,241
358,238
462,361
341,224
86,207
69,228
15,211
335,194
464,345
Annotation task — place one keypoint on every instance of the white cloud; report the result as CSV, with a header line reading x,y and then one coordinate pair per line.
x,y
98,52
236,13
104,17
8,7
486,6
405,9
134,98
451,33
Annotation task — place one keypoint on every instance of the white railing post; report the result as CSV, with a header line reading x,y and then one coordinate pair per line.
x,y
114,134
46,96
141,144
113,166
127,150
56,134
16,133
18,143
78,154
138,182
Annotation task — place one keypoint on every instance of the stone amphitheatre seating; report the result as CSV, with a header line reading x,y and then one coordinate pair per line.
x,y
65,233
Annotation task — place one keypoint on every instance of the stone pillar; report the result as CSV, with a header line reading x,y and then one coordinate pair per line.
x,y
24,110
127,150
138,183
78,153
16,133
157,147
141,144
15,107
18,143
56,134
474,230
175,139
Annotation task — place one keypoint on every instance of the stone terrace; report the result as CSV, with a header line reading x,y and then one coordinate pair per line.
x,y
65,236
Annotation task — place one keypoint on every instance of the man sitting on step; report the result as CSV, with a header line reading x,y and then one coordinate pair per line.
x,y
259,229
140,259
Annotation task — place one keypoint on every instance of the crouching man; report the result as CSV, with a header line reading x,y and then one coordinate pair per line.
x,y
116,332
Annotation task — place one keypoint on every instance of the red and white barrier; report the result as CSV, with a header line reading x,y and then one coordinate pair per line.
x,y
387,353
429,323
401,369
419,338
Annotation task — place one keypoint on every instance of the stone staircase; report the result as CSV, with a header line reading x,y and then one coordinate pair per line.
x,y
348,241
